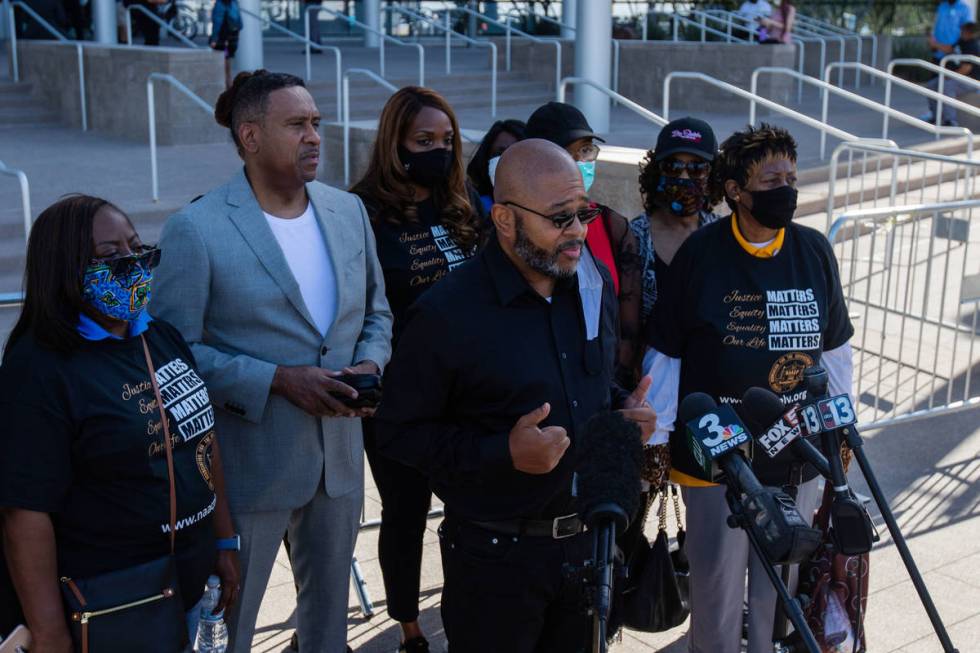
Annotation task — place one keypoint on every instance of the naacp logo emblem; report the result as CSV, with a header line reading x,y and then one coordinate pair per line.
x,y
787,371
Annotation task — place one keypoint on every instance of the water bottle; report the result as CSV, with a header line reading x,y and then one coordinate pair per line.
x,y
212,634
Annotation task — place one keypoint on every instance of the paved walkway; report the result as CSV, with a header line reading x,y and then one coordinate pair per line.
x,y
929,470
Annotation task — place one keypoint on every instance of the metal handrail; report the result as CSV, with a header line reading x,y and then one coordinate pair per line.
x,y
819,30
625,101
19,4
509,29
888,211
267,23
769,104
885,150
800,40
381,45
370,74
943,74
156,19
829,88
25,195
450,33
803,18
152,119
892,79
676,18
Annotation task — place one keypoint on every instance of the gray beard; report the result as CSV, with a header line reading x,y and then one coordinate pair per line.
x,y
538,259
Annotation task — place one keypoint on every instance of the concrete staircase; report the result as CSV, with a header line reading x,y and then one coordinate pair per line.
x,y
19,109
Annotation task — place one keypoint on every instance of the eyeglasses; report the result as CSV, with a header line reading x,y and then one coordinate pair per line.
x,y
563,220
145,256
588,152
695,169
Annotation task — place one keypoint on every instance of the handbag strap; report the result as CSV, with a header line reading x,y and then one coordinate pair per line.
x,y
167,444
663,510
675,495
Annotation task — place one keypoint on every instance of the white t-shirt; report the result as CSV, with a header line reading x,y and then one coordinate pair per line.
x,y
753,10
302,243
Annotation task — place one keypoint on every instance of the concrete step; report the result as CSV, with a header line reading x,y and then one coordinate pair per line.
x,y
19,116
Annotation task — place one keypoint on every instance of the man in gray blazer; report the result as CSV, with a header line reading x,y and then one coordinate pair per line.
x,y
274,280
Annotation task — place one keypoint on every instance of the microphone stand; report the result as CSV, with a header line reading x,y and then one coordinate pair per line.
x,y
737,519
856,444
604,545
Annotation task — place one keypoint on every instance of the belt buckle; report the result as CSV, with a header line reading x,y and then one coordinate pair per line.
x,y
556,527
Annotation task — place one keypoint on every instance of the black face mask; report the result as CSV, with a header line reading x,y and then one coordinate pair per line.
x,y
429,168
774,208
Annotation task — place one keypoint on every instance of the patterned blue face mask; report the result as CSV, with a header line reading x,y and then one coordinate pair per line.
x,y
587,169
120,287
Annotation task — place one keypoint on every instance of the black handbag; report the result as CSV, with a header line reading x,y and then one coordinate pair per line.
x,y
138,608
652,600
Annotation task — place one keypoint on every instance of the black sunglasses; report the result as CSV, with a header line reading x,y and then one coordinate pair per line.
x,y
145,256
563,220
695,169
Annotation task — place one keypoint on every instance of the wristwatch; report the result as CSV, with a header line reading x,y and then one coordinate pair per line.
x,y
233,543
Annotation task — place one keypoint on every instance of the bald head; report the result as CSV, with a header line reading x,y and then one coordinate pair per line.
x,y
538,170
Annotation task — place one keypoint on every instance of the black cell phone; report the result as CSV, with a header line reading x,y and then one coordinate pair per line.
x,y
368,388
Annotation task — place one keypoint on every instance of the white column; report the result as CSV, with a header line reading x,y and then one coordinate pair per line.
x,y
973,8
593,59
372,11
104,21
568,17
249,55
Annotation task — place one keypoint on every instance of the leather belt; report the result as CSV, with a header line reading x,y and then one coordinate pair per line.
x,y
558,528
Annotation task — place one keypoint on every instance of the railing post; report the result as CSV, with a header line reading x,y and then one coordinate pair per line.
x,y
508,47
888,103
11,23
306,34
646,19
939,102
823,118
347,131
666,111
381,54
753,87
129,25
493,80
673,20
81,85
449,63
152,124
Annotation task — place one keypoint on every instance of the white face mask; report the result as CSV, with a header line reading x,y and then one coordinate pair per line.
x,y
492,169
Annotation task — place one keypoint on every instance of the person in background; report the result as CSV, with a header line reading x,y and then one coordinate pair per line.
x,y
226,23
967,44
274,279
779,25
492,381
726,318
674,186
314,23
143,24
951,16
501,135
610,240
752,11
426,223
87,493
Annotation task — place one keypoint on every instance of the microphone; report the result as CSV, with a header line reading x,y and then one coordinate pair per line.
x,y
608,482
718,440
608,488
852,530
778,429
768,515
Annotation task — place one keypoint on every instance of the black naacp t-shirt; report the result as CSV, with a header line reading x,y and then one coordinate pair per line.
x,y
737,321
82,440
414,256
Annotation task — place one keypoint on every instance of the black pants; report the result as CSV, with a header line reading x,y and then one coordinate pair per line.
x,y
146,26
506,593
405,501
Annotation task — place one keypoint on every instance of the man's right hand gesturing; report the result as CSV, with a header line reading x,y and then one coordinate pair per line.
x,y
535,450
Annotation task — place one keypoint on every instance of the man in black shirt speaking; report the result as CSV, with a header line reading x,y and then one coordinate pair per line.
x,y
497,370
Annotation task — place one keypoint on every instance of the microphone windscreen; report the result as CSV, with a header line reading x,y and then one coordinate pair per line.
x,y
693,406
760,409
611,464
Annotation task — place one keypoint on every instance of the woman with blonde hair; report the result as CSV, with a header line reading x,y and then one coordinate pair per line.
x,y
427,222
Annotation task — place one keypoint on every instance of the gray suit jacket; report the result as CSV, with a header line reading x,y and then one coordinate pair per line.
x,y
224,283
